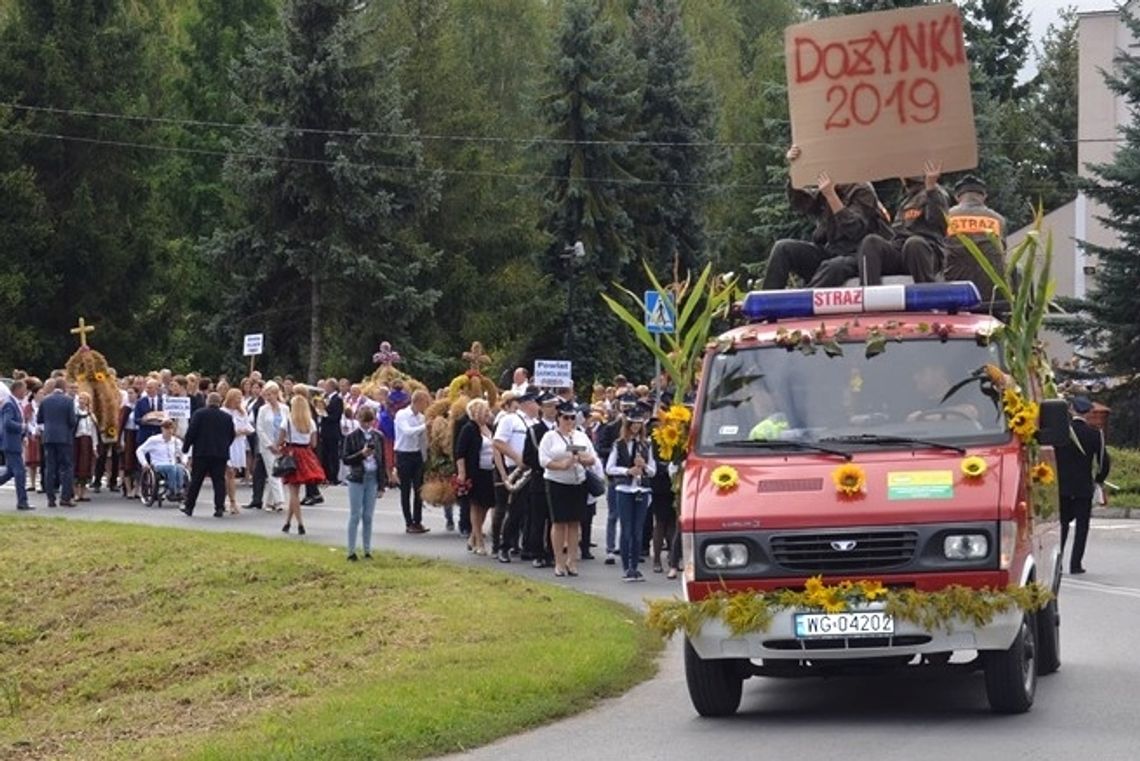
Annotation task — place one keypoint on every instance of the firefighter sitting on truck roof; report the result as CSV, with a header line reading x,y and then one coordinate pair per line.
x,y
844,214
916,246
982,225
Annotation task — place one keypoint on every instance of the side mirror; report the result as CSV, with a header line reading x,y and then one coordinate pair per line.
x,y
1053,427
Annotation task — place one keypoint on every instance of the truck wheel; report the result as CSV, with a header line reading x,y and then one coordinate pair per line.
x,y
1048,639
1011,675
714,685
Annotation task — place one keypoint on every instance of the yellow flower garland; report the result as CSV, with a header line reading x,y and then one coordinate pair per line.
x,y
1042,473
725,478
850,479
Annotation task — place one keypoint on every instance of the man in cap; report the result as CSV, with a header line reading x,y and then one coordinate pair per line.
x,y
537,544
509,441
1078,469
844,215
916,245
983,226
604,444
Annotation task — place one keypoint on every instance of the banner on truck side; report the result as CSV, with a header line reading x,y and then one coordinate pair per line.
x,y
876,95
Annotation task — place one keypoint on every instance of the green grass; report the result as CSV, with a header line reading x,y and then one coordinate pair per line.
x,y
1125,473
132,642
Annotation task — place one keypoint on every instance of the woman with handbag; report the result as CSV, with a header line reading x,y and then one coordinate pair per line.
x,y
297,438
632,466
363,452
270,419
565,453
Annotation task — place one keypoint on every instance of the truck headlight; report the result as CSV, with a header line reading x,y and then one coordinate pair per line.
x,y
965,546
720,556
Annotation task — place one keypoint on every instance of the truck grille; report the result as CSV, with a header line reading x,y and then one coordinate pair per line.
x,y
872,551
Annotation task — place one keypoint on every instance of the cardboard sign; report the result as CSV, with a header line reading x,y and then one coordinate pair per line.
x,y
253,344
875,95
553,373
177,407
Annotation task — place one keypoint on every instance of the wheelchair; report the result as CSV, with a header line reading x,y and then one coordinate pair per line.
x,y
153,487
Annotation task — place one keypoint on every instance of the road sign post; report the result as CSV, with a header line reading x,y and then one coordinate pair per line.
x,y
660,317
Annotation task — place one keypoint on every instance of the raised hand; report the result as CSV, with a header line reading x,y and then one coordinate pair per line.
x,y
931,172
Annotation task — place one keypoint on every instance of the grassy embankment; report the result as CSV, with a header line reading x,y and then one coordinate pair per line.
x,y
132,642
1125,474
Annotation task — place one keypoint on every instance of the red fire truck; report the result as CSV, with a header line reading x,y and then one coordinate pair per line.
x,y
892,379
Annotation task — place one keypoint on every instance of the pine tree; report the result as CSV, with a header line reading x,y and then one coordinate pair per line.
x,y
1055,111
997,35
75,226
590,112
676,125
1111,326
327,181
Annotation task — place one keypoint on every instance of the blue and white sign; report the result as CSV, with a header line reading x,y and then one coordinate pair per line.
x,y
660,313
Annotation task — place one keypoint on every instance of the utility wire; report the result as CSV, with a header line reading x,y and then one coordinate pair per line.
x,y
495,139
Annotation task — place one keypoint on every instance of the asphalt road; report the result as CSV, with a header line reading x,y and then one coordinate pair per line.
x,y
1087,710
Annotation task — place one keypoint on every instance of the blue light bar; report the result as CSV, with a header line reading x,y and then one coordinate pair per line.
x,y
809,302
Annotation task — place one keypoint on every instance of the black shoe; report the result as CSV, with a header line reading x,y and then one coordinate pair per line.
x,y
504,556
317,500
525,556
24,507
1077,571
220,514
451,525
252,506
540,563
368,556
300,529
97,489
187,511
306,501
587,555
51,504
352,557
285,528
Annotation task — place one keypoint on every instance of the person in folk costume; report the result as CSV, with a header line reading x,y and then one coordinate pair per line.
x,y
632,466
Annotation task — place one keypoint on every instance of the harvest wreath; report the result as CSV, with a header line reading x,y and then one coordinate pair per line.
x,y
749,612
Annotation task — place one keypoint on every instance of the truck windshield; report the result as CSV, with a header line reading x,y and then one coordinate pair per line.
x,y
916,393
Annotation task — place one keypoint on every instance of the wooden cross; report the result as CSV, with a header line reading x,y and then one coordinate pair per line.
x,y
82,330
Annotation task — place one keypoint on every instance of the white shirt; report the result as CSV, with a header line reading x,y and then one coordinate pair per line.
x,y
511,430
86,424
161,452
411,431
294,436
613,469
554,446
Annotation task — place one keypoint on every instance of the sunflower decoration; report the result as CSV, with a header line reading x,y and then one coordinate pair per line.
x,y
667,435
850,479
973,468
1042,473
872,590
725,478
1023,422
678,413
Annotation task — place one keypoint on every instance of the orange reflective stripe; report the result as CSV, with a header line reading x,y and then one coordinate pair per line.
x,y
972,225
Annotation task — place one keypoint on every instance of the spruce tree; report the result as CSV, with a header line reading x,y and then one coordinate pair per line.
x,y
676,125
75,228
1055,110
997,34
327,180
590,112
1111,327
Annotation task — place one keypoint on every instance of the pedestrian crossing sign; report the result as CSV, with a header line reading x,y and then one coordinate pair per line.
x,y
660,312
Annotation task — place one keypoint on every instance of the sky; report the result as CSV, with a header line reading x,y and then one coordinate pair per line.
x,y
1042,13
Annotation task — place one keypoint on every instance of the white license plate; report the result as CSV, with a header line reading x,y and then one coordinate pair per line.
x,y
864,624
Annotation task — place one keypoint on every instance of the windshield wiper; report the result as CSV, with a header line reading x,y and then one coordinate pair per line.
x,y
875,438
784,444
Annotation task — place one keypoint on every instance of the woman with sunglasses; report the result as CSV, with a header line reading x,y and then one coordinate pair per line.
x,y
565,453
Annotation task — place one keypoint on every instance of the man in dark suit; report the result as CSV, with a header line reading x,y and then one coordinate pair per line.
x,y
210,434
58,419
13,431
330,432
1078,468
150,401
536,545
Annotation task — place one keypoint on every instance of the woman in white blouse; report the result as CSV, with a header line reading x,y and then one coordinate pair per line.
x,y
565,453
86,433
269,419
242,428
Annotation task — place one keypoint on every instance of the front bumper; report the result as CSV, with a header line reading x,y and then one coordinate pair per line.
x,y
715,641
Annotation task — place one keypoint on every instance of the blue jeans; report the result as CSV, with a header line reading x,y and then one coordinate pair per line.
x,y
15,464
59,471
361,506
611,518
174,477
632,509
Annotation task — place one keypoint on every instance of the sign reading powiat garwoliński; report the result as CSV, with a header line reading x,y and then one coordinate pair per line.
x,y
876,95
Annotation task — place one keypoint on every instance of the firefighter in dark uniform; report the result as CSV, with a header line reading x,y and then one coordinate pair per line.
x,y
1081,464
982,225
844,214
916,245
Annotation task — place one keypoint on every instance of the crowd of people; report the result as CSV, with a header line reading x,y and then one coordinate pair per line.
x,y
530,467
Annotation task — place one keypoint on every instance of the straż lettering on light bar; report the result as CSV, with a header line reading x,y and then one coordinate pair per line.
x,y
808,302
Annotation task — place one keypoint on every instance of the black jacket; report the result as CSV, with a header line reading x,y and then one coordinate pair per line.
x,y
352,455
530,452
1077,470
841,232
210,433
330,423
468,446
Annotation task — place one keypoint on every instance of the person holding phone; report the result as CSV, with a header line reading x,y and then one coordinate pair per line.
x,y
564,454
363,454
